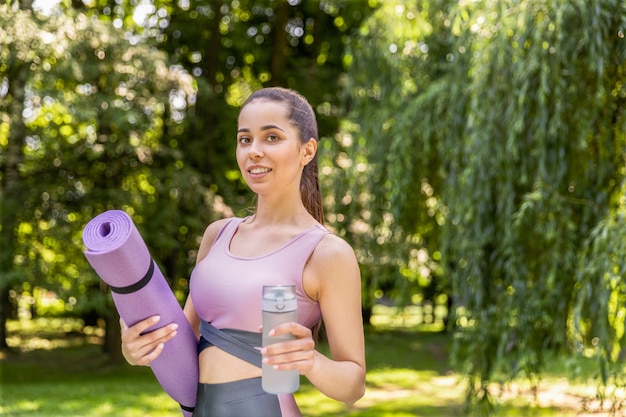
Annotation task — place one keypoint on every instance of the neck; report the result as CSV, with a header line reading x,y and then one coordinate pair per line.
x,y
280,212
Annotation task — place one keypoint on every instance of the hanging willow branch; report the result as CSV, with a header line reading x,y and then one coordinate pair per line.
x,y
514,112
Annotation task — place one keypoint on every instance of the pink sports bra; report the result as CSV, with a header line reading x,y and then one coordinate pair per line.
x,y
226,289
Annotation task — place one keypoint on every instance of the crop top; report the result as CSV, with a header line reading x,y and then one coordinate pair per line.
x,y
226,290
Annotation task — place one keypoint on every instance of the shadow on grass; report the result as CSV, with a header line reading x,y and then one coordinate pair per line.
x,y
78,381
426,351
408,375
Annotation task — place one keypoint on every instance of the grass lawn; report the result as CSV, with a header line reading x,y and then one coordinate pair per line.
x,y
61,372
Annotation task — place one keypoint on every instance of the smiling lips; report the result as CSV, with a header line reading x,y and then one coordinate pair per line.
x,y
259,170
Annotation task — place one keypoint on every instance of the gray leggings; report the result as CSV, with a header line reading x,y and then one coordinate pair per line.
x,y
243,398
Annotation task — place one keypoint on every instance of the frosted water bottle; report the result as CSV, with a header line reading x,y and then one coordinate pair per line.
x,y
279,306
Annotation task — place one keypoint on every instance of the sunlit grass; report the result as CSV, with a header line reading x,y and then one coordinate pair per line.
x,y
50,333
408,375
426,318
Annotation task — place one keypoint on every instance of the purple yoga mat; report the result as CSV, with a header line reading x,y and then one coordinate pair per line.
x,y
119,255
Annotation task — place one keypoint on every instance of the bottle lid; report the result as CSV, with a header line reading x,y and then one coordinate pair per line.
x,y
279,298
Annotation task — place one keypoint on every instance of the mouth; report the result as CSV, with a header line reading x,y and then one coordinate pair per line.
x,y
259,170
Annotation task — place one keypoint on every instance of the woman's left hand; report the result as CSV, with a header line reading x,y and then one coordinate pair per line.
x,y
297,354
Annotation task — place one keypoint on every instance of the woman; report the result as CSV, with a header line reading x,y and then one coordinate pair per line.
x,y
283,241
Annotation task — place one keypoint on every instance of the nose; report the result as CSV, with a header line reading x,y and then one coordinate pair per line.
x,y
255,151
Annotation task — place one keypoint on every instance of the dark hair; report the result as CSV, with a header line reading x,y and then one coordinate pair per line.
x,y
301,115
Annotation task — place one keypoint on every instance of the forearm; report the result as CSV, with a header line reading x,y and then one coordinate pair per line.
x,y
340,380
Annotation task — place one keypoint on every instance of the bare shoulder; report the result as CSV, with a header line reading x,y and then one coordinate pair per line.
x,y
213,229
333,248
333,263
210,233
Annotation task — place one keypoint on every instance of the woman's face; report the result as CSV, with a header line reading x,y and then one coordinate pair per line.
x,y
270,155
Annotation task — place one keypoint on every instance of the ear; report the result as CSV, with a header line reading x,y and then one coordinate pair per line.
x,y
309,150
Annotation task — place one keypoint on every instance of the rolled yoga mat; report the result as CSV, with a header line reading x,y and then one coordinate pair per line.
x,y
119,255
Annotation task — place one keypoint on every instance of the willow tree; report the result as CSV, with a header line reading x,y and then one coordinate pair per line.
x,y
499,135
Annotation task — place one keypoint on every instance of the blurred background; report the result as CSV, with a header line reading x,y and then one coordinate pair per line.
x,y
472,153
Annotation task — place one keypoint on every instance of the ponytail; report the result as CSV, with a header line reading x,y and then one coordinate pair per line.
x,y
310,190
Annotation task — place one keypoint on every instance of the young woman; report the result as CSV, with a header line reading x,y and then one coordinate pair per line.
x,y
283,242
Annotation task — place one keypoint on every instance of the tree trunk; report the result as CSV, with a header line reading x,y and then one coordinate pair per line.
x,y
5,311
366,313
113,337
10,201
280,45
26,4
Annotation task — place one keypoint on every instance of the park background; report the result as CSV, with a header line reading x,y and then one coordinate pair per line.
x,y
472,152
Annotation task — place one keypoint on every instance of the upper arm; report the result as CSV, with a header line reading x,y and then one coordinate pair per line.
x,y
208,238
210,233
334,274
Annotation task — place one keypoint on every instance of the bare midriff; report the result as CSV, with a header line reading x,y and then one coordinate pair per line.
x,y
217,366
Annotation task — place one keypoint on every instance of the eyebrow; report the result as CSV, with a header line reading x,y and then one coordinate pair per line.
x,y
266,127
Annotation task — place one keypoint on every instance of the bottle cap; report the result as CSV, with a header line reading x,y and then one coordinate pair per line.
x,y
279,298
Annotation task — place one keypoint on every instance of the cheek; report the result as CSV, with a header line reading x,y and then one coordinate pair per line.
x,y
239,154
240,159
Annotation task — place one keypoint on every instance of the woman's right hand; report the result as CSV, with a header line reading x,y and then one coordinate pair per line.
x,y
141,349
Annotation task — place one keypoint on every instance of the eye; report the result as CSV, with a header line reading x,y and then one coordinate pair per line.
x,y
243,140
272,137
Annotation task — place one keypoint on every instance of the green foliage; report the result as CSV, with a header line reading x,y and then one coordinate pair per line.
x,y
512,115
132,106
395,162
483,156
234,47
96,110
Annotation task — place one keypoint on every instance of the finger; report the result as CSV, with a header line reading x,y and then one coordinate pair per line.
x,y
146,356
283,348
288,356
137,344
301,365
155,353
294,328
289,346
143,325
302,359
160,335
143,349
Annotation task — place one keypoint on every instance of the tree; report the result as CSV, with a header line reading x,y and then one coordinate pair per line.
x,y
84,135
502,135
17,61
393,182
234,47
132,113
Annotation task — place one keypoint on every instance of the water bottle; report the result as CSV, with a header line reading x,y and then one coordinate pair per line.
x,y
279,306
